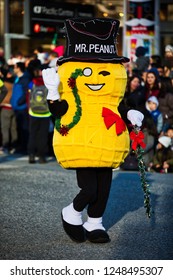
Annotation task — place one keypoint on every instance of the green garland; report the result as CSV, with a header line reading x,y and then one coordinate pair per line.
x,y
64,129
144,184
138,145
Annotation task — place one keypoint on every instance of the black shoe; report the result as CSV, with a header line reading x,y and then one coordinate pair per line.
x,y
97,236
42,160
76,233
31,159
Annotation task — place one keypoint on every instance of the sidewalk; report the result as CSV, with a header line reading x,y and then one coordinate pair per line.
x,y
32,196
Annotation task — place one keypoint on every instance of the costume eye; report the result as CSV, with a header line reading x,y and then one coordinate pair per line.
x,y
104,73
87,72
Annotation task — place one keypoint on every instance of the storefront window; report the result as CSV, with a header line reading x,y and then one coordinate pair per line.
x,y
16,13
166,12
170,12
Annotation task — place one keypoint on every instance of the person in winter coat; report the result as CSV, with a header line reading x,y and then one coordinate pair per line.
x,y
169,133
166,102
135,99
142,61
152,86
163,158
19,105
134,95
39,119
168,61
152,106
8,118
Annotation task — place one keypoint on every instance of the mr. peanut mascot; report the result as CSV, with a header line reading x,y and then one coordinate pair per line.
x,y
90,135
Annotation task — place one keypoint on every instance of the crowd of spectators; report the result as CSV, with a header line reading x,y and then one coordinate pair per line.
x,y
22,131
149,90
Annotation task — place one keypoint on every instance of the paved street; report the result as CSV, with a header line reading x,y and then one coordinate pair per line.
x,y
31,199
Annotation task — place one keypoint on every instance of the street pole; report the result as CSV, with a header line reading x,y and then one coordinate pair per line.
x,y
7,45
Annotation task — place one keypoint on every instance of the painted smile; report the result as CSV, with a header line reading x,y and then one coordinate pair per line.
x,y
95,87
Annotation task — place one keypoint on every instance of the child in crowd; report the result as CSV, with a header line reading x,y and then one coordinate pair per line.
x,y
152,106
169,133
163,158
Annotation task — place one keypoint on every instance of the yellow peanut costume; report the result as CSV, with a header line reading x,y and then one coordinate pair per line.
x,y
89,143
89,134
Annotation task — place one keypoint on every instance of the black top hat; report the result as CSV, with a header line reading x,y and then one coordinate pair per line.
x,y
92,40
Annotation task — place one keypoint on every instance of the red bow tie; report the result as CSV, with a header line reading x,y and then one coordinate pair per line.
x,y
137,139
110,118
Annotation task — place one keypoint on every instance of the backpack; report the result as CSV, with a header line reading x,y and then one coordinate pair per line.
x,y
38,99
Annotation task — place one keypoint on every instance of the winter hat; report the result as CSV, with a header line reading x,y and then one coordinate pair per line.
x,y
92,40
154,100
140,51
168,48
154,71
165,141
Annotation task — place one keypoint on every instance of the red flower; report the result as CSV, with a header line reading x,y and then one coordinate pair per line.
x,y
71,82
64,130
137,139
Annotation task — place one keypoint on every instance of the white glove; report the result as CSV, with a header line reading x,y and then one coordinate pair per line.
x,y
135,117
51,80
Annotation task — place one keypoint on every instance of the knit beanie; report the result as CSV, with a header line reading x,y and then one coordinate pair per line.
x,y
168,48
154,100
165,141
154,71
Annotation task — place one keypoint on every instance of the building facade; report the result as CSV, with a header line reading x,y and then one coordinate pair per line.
x,y
15,22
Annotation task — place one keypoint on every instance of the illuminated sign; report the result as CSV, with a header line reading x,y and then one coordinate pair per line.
x,y
47,17
140,17
37,28
140,27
